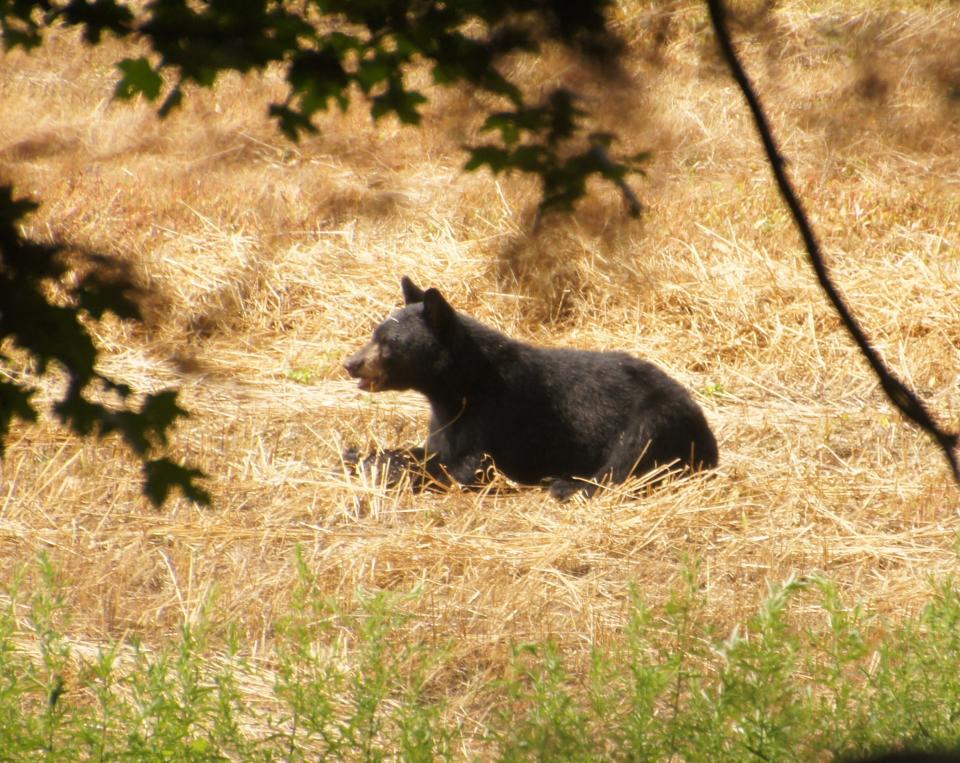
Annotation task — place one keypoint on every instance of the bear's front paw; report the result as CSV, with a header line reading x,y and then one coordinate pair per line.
x,y
563,489
351,456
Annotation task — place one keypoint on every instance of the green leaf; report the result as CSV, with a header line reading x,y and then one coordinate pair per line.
x,y
120,388
604,139
342,43
290,121
401,102
530,159
49,332
138,77
14,402
160,411
24,38
162,475
82,416
19,24
319,76
12,209
96,17
98,295
371,72
496,158
563,115
507,123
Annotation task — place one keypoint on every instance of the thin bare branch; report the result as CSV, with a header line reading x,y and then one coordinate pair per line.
x,y
898,392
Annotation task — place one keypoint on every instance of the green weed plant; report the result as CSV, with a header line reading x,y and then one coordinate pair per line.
x,y
356,685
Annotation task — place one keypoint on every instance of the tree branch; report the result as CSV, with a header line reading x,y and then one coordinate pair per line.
x,y
900,395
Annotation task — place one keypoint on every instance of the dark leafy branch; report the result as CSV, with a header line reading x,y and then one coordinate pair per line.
x,y
50,332
333,50
529,138
899,394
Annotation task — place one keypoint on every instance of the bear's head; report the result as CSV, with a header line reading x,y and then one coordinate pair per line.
x,y
412,348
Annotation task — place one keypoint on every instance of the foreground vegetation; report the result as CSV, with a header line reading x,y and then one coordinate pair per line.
x,y
350,685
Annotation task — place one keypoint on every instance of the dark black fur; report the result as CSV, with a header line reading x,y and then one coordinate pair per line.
x,y
538,413
908,756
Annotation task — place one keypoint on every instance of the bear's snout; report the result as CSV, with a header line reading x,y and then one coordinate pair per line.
x,y
365,365
353,364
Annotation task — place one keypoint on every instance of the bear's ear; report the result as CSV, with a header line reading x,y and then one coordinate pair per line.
x,y
437,311
411,292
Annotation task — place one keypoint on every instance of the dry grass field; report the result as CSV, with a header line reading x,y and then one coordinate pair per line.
x,y
266,263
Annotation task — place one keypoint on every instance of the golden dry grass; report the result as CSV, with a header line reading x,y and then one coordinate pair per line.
x,y
268,262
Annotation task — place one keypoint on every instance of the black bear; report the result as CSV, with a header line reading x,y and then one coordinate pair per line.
x,y
572,417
